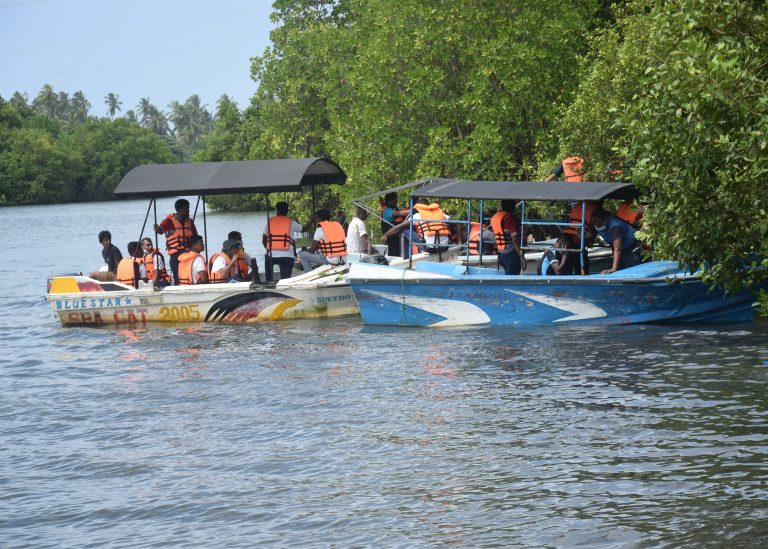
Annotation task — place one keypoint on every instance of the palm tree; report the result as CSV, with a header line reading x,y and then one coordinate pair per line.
x,y
130,115
19,100
63,105
79,108
112,101
46,100
144,109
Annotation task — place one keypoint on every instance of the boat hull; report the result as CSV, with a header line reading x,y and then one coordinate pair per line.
x,y
458,296
79,300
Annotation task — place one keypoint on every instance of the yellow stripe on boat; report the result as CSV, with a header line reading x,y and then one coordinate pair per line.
x,y
277,312
64,285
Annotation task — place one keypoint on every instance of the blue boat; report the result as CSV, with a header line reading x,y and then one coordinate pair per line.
x,y
433,294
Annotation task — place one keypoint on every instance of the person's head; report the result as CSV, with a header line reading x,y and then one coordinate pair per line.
x,y
196,243
230,247
182,208
390,199
565,240
361,213
323,215
235,235
146,245
133,248
281,208
423,201
105,237
508,205
599,219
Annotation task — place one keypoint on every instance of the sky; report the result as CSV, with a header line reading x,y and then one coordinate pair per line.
x,y
166,50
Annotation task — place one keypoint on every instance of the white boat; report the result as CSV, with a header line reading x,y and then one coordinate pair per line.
x,y
321,293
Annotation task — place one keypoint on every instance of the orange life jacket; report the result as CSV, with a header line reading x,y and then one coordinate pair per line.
x,y
126,273
149,263
279,237
573,169
474,238
215,276
335,242
497,222
185,268
242,265
428,213
177,239
630,213
592,205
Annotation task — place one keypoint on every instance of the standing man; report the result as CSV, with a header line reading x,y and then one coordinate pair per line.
x,y
357,240
391,216
110,253
620,235
573,169
329,246
506,231
277,239
178,227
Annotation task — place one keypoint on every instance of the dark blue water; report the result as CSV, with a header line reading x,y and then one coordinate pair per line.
x,y
334,434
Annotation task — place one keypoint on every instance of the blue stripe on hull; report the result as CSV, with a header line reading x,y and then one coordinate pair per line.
x,y
542,300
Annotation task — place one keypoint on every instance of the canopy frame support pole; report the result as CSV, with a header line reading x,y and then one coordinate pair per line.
x,y
154,206
205,227
144,226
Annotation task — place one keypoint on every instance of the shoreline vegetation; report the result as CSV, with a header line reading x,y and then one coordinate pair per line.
x,y
395,90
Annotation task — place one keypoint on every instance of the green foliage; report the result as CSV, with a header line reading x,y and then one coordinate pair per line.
x,y
45,160
681,89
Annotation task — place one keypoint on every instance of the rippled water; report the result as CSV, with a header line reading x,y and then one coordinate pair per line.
x,y
330,433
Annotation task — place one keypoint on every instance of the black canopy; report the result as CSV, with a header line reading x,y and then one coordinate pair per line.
x,y
553,191
248,176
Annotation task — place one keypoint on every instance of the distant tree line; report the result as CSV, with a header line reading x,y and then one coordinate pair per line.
x,y
53,149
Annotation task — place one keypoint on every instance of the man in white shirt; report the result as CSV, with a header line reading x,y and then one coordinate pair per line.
x,y
358,242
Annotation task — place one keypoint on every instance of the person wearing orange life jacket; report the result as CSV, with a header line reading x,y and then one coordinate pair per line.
x,y
506,231
329,245
223,265
425,222
572,168
131,269
154,263
392,216
192,268
178,227
277,238
244,261
473,243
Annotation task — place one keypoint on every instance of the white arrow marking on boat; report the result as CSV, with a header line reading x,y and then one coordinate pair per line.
x,y
456,313
579,309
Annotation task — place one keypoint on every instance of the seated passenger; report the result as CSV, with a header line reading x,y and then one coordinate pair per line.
x,y
131,269
245,263
561,261
329,246
192,264
620,235
154,263
223,265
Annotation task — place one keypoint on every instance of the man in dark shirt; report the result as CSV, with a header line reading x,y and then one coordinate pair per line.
x,y
110,253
